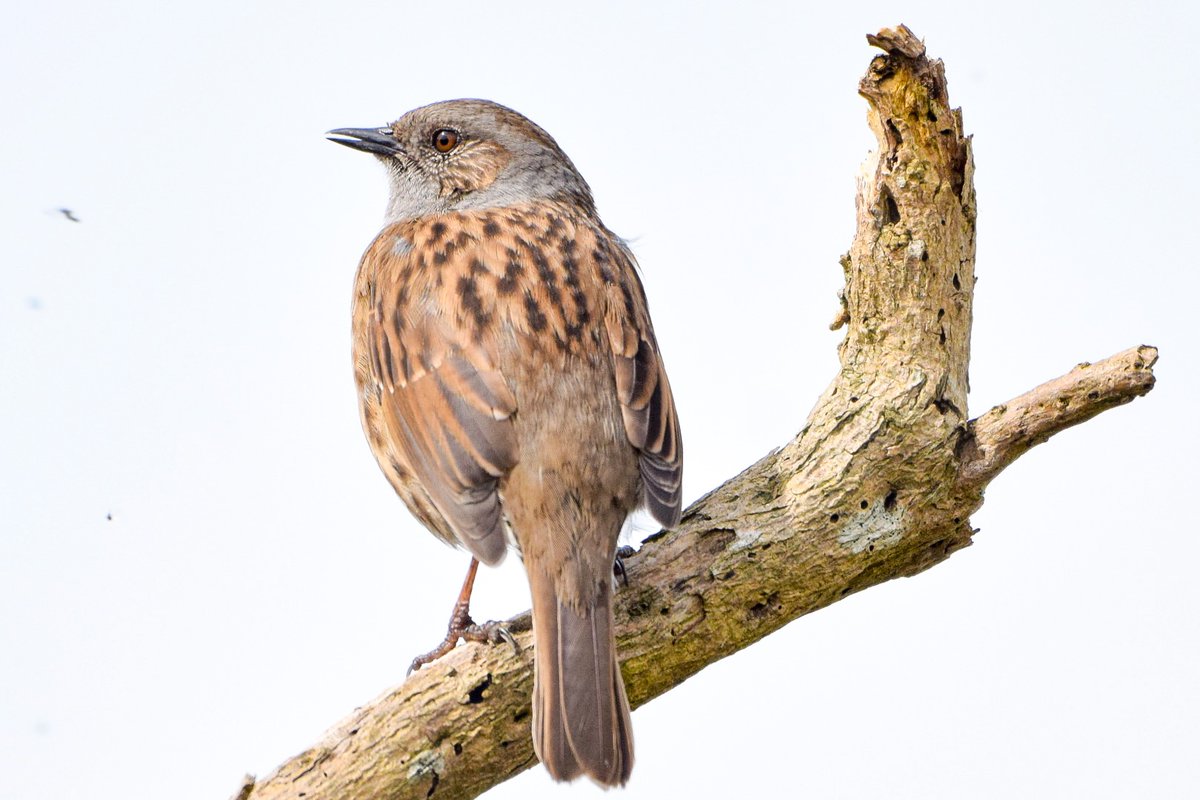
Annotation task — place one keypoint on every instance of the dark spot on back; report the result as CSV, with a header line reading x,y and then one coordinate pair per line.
x,y
436,231
507,284
491,229
468,295
537,320
581,304
546,273
574,331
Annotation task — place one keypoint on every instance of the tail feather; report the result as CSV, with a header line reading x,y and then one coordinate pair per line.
x,y
550,740
581,719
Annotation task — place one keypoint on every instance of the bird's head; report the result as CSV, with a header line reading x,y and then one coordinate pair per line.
x,y
464,154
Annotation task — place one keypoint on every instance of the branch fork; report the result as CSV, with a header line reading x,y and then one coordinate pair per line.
x,y
880,483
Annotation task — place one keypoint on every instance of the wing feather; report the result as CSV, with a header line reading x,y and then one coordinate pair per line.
x,y
450,412
647,405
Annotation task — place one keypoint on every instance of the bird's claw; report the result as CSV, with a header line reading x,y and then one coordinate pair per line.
x,y
492,633
623,552
463,627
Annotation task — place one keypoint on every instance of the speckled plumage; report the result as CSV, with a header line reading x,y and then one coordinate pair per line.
x,y
510,381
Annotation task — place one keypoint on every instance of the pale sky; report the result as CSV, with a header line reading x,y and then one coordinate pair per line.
x,y
178,360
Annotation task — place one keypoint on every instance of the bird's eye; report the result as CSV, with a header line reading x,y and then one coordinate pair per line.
x,y
445,140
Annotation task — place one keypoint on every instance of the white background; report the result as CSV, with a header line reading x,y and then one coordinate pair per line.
x,y
179,360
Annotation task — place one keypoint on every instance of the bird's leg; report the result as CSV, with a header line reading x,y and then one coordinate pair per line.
x,y
463,627
623,552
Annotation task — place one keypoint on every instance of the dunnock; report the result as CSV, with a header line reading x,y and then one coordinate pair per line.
x,y
511,387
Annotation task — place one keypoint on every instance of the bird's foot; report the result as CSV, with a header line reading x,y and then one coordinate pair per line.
x,y
463,627
623,552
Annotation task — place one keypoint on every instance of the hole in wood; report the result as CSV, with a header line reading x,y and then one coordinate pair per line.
x,y
476,694
887,207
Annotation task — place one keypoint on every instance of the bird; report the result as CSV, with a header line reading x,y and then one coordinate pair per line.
x,y
512,390
69,214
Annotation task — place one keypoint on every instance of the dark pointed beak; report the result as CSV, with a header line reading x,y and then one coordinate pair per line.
x,y
371,140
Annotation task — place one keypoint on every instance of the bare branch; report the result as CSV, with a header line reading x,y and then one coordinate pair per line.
x,y
1008,431
879,484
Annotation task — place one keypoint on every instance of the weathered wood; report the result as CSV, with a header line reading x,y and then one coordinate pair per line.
x,y
1006,432
879,484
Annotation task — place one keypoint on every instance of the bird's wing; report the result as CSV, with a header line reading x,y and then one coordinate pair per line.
x,y
447,408
647,406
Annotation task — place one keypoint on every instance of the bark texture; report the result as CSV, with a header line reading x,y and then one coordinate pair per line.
x,y
880,483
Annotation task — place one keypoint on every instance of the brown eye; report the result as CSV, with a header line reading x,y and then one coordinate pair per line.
x,y
445,140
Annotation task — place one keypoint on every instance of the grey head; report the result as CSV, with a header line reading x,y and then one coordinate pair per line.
x,y
467,154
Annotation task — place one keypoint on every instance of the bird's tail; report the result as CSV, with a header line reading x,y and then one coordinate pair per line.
x,y
580,714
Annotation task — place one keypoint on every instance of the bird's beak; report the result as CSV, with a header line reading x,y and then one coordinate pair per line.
x,y
371,140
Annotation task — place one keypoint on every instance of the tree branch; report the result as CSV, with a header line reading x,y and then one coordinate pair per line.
x,y
1009,430
879,484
